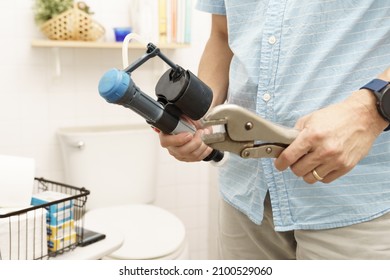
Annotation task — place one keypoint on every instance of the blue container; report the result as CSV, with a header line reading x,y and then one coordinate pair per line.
x,y
121,32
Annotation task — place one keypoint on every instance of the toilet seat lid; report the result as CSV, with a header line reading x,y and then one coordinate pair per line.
x,y
149,232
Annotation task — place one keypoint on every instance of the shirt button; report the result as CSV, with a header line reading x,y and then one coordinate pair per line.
x,y
266,97
271,40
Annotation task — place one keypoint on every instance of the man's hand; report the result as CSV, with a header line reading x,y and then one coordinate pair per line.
x,y
333,140
186,146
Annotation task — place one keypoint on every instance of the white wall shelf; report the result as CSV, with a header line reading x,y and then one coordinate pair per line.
x,y
56,45
44,43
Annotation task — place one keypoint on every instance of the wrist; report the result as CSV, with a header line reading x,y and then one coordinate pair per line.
x,y
380,89
366,106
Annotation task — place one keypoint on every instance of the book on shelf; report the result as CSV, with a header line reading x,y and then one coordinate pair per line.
x,y
162,21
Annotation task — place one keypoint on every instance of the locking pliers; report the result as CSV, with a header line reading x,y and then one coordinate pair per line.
x,y
246,134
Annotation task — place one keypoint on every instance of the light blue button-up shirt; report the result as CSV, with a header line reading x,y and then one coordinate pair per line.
x,y
292,57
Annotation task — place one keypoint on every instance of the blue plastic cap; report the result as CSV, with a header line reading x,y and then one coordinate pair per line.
x,y
113,85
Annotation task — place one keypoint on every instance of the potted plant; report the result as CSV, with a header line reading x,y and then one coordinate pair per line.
x,y
47,9
66,20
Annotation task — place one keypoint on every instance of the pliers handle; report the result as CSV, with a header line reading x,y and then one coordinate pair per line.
x,y
246,134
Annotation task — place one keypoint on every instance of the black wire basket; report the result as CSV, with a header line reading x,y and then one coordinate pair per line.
x,y
43,231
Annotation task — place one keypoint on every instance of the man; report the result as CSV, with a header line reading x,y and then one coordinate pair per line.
x,y
302,64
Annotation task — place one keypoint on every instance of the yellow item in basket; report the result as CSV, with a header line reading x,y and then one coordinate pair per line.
x,y
61,243
57,232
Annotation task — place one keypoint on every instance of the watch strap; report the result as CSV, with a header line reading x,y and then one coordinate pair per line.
x,y
377,85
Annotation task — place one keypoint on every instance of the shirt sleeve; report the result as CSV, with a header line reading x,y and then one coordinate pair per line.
x,y
211,6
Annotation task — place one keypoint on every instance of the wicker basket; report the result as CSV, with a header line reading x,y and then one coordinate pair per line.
x,y
73,24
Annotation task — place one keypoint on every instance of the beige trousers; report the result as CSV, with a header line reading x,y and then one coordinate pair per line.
x,y
240,238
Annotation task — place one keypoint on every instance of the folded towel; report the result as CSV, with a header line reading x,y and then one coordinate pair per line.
x,y
23,237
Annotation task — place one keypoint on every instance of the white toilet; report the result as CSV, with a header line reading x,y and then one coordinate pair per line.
x,y
118,165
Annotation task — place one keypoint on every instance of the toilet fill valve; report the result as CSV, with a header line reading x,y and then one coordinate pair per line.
x,y
178,91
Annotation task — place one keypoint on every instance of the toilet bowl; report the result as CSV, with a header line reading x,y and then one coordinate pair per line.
x,y
149,232
117,164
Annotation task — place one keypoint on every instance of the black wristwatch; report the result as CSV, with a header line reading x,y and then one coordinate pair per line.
x,y
381,90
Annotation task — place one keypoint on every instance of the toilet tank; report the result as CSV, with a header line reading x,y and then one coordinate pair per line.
x,y
116,163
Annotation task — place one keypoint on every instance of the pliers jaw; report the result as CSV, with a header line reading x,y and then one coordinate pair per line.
x,y
222,142
246,134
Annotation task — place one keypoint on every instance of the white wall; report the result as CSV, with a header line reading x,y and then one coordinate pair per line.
x,y
35,103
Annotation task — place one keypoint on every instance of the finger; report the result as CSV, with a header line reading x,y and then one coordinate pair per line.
x,y
321,172
328,173
194,150
305,164
297,149
190,153
168,140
